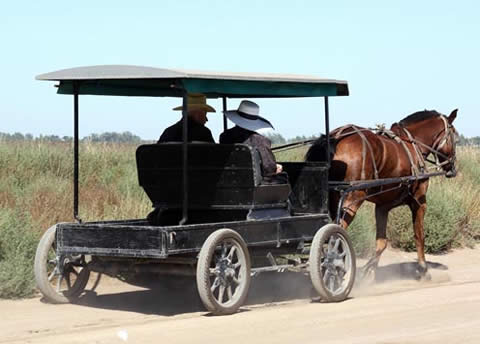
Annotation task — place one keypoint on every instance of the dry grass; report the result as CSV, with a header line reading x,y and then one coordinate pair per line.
x,y
37,177
36,192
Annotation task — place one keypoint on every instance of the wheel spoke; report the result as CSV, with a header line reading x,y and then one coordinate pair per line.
x,y
224,249
59,283
337,243
331,283
330,242
212,271
237,265
325,277
67,279
236,280
215,284
339,280
232,251
51,276
229,292
220,294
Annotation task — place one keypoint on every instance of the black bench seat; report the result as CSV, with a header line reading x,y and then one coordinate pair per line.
x,y
220,177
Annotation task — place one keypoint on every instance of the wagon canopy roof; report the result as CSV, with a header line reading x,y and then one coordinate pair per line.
x,y
125,80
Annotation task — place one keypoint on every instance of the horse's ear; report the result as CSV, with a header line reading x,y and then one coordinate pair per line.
x,y
452,116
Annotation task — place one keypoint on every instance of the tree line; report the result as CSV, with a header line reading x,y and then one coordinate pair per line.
x,y
125,137
128,137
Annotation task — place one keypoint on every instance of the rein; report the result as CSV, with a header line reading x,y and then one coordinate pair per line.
x,y
293,145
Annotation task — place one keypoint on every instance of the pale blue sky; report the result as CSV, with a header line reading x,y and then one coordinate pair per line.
x,y
398,57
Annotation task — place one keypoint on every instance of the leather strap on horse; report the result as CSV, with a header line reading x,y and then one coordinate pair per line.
x,y
342,132
390,134
418,152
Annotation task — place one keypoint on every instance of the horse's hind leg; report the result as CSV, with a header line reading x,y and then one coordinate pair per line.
x,y
381,218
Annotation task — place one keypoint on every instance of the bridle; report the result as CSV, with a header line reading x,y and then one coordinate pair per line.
x,y
448,133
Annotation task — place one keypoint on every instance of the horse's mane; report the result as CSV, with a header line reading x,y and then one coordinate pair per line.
x,y
419,116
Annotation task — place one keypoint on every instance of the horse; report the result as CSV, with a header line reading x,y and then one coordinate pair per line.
x,y
362,154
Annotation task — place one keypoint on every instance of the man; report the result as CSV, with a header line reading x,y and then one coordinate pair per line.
x,y
197,117
247,121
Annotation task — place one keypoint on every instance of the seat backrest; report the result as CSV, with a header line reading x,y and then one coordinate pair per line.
x,y
309,183
219,176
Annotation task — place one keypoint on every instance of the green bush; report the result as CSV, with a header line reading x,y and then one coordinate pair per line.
x,y
362,231
18,243
445,223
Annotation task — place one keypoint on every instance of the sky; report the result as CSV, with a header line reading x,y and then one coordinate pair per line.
x,y
398,57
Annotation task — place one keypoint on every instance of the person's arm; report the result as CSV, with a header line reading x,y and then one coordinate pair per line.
x,y
269,163
210,136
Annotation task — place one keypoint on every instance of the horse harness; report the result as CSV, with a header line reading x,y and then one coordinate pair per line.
x,y
416,168
440,141
342,132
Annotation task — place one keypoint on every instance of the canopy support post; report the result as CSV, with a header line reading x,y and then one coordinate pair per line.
x,y
327,129
224,99
75,152
185,159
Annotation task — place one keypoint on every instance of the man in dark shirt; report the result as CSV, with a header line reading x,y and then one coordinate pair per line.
x,y
247,121
197,117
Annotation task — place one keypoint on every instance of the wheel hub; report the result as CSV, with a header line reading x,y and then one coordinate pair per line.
x,y
225,271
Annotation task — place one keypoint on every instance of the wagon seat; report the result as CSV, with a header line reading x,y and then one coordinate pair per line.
x,y
224,183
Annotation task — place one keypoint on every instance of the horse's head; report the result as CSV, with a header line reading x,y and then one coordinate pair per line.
x,y
445,145
434,134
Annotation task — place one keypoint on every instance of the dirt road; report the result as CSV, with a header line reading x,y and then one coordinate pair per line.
x,y
394,310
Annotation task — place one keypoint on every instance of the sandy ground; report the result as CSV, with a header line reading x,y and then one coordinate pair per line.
x,y
395,309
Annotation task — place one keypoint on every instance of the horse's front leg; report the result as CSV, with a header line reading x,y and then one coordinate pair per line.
x,y
418,206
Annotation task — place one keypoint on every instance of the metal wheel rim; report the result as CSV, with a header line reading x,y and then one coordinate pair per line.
x,y
73,272
336,264
227,273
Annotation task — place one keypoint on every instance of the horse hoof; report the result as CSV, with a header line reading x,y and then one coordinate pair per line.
x,y
367,276
426,277
422,274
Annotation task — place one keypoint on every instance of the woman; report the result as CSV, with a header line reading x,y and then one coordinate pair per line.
x,y
247,120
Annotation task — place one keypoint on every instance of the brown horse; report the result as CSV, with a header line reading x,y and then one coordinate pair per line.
x,y
361,154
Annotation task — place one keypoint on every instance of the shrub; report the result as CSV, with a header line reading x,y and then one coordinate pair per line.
x,y
362,231
18,243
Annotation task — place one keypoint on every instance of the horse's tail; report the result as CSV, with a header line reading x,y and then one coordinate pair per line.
x,y
318,149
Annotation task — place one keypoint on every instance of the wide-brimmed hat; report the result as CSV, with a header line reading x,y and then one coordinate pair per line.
x,y
247,117
196,102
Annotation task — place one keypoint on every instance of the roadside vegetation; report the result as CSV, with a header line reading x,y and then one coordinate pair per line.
x,y
36,192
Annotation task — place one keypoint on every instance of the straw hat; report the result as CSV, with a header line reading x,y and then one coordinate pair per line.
x,y
247,117
196,102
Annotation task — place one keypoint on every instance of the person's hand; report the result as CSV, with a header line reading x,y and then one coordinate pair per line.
x,y
279,169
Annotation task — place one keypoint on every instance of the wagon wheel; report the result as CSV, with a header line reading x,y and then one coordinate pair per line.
x,y
332,263
55,286
223,272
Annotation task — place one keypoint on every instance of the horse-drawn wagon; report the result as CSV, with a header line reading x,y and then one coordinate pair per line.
x,y
221,223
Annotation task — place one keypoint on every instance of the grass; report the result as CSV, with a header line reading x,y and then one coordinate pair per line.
x,y
36,192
